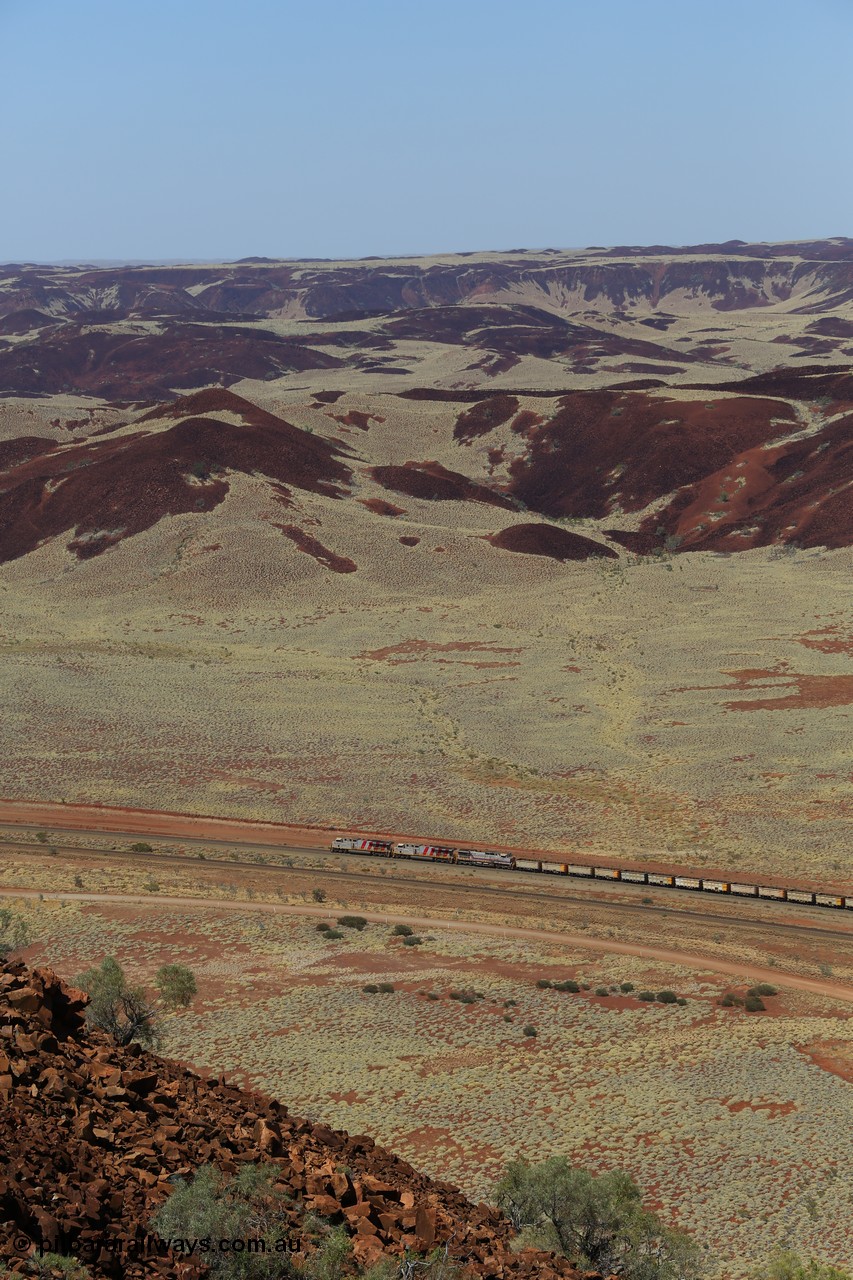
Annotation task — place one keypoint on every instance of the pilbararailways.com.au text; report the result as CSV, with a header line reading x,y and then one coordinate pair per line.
x,y
154,1246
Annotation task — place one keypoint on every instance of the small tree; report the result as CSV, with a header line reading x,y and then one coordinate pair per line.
x,y
141,846
319,895
598,1223
176,984
14,932
124,1012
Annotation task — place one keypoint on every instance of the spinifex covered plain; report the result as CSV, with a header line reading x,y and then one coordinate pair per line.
x,y
538,548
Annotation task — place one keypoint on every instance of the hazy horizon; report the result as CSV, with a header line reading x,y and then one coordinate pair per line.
x,y
204,134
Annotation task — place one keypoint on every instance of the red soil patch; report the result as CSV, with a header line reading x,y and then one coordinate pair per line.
x,y
432,481
483,417
382,508
409,541
548,540
392,653
827,641
831,1056
811,691
355,418
311,547
773,1109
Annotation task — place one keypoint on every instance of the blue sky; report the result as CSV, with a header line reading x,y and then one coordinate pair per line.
x,y
223,128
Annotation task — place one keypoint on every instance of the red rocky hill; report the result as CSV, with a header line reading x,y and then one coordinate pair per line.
x,y
91,1135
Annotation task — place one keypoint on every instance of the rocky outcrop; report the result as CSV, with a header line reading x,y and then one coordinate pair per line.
x,y
92,1137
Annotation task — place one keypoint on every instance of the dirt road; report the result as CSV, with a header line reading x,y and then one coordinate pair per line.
x,y
701,964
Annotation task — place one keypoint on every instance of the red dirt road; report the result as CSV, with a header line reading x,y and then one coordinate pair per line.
x,y
702,964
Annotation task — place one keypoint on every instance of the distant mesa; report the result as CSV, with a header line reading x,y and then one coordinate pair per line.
x,y
549,540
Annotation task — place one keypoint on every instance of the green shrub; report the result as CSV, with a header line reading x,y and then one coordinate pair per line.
x,y
681,1001
14,932
787,1265
529,1032
433,995
47,1264
667,997
124,1012
507,1017
323,928
602,991
151,885
141,847
465,997
371,988
585,986
568,985
626,987
331,935
762,989
247,1206
401,931
754,1004
647,996
386,987
176,984
544,982
510,1004
353,922
599,1224
413,941
319,895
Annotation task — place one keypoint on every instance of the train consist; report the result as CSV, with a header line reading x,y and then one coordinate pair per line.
x,y
588,871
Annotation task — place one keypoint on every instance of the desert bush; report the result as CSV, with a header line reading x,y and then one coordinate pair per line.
x,y
667,997
14,932
386,987
433,995
401,931
762,989
510,1004
141,847
353,922
319,895
681,1000
371,988
544,982
626,987
47,1265
602,991
412,941
78,881
754,1004
568,985
529,1032
176,984
323,928
647,996
598,1223
122,1011
151,885
247,1206
466,996
785,1264
585,986
332,935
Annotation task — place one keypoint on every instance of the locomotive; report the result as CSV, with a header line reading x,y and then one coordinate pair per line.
x,y
511,862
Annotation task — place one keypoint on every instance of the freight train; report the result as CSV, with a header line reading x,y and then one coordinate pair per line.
x,y
588,871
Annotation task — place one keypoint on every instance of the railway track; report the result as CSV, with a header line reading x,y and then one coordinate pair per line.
x,y
519,887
